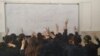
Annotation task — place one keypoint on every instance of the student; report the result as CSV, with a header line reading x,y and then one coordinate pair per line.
x,y
71,49
21,37
31,47
91,49
78,39
65,33
64,38
52,47
11,49
70,46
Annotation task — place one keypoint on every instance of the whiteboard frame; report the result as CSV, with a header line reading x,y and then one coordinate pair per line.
x,y
45,4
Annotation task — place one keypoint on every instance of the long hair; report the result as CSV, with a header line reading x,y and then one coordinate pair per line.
x,y
31,46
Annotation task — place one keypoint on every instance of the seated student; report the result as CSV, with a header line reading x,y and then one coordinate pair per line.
x,y
21,37
11,49
77,37
65,37
31,47
10,46
15,41
65,31
52,47
61,37
41,38
91,49
71,49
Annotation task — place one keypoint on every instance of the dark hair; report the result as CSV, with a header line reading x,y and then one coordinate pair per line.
x,y
39,34
21,37
8,39
13,36
59,35
87,37
52,33
78,39
70,36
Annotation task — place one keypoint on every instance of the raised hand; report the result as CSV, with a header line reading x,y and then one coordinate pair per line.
x,y
75,29
66,24
7,31
22,30
47,31
33,34
57,28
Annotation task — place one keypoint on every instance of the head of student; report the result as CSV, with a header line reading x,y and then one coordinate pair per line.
x,y
87,39
71,39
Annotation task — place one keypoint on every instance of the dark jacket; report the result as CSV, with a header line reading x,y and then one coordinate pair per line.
x,y
91,49
72,50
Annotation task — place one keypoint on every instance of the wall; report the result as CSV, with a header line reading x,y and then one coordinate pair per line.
x,y
95,15
89,12
2,19
85,16
90,15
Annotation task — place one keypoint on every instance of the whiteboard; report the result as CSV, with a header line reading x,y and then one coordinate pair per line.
x,y
35,17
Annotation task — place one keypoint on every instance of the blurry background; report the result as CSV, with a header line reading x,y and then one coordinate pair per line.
x,y
89,14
